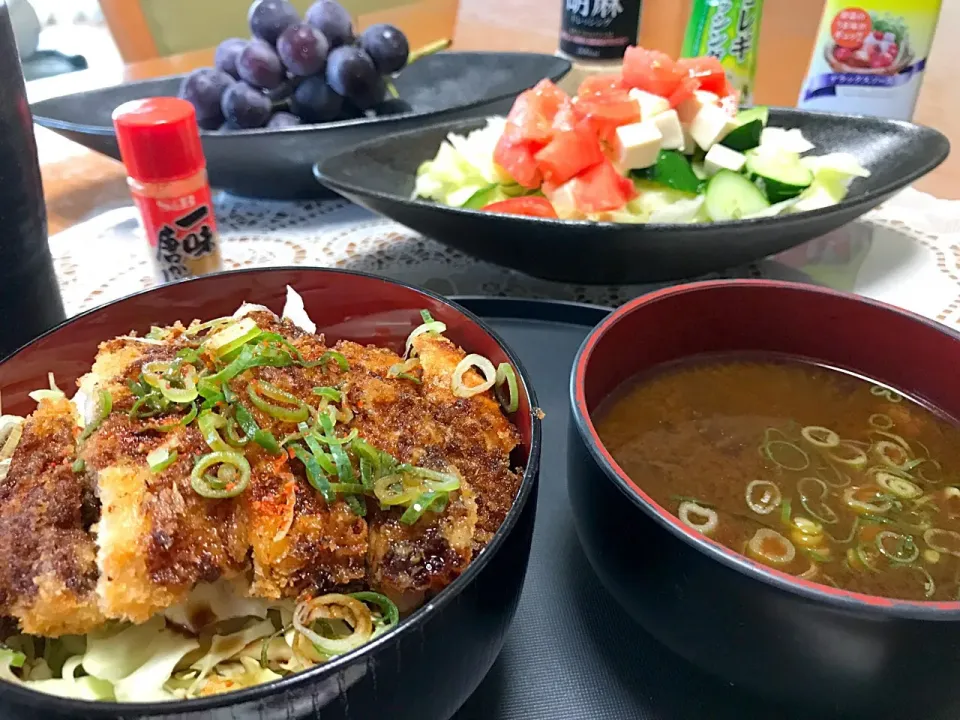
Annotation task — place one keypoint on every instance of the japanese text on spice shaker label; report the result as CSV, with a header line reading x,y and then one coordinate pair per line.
x,y
160,146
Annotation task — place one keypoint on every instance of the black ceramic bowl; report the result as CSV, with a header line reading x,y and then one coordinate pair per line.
x,y
428,666
803,643
276,163
380,174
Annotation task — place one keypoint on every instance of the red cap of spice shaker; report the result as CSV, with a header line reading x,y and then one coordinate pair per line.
x,y
159,139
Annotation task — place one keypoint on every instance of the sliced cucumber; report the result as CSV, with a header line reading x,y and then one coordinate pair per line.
x,y
781,175
673,170
731,196
485,196
750,124
699,170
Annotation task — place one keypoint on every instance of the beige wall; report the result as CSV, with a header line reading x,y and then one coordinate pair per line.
x,y
182,25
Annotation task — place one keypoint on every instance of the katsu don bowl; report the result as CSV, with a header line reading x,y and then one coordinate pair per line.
x,y
268,493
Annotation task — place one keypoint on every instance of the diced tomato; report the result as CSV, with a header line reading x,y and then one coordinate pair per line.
x,y
601,188
526,123
608,112
600,85
651,70
708,71
529,206
531,118
684,91
517,158
569,153
567,117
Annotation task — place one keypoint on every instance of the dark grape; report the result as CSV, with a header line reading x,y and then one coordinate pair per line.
x,y
226,56
204,88
351,73
281,92
282,120
259,65
314,101
333,20
303,49
269,18
387,46
373,97
393,106
245,106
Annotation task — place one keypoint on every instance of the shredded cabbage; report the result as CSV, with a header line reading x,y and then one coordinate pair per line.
x,y
294,311
775,139
146,683
116,652
463,167
224,647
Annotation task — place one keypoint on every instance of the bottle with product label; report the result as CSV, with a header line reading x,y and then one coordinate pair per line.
x,y
160,148
870,57
728,30
595,34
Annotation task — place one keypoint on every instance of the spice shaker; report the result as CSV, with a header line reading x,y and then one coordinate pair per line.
x,y
29,291
167,174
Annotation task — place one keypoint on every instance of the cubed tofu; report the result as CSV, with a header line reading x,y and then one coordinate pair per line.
x,y
723,158
668,123
639,145
688,109
710,126
650,104
689,144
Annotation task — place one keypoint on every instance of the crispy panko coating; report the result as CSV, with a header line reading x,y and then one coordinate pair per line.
x,y
152,538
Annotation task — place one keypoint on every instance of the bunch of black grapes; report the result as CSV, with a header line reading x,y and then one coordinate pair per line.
x,y
297,70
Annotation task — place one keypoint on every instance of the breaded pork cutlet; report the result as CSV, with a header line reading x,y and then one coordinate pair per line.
x,y
157,538
48,571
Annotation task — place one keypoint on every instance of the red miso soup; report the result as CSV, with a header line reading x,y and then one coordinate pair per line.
x,y
810,470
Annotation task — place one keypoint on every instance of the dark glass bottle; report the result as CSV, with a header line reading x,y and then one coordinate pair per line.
x,y
599,29
30,299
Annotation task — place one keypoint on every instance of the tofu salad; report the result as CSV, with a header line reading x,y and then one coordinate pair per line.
x,y
663,142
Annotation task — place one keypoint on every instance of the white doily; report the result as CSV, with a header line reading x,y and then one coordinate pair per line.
x,y
906,252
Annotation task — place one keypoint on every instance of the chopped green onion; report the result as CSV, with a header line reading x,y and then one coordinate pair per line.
x,y
104,407
356,503
340,458
182,422
217,487
785,511
247,359
157,333
315,475
233,437
298,413
336,357
210,423
79,465
427,317
506,374
190,355
483,365
433,480
431,326
13,658
223,342
419,506
331,394
263,438
391,490
160,459
388,610
325,461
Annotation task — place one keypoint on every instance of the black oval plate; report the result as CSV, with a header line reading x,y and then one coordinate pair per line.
x,y
572,653
276,163
380,175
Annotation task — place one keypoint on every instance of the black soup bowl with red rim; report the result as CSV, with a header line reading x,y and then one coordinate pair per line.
x,y
429,664
771,632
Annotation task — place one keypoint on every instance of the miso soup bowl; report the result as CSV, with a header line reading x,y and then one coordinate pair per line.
x,y
836,652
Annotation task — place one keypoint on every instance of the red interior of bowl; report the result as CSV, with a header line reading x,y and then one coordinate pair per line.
x,y
910,353
344,306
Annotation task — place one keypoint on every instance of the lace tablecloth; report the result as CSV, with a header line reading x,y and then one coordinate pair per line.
x,y
906,252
